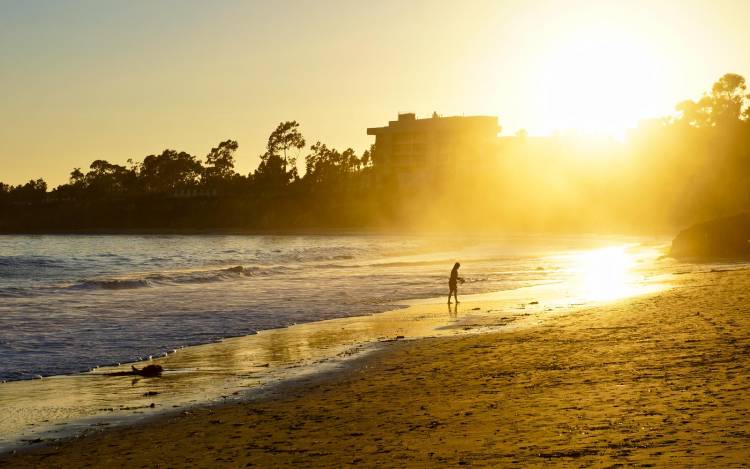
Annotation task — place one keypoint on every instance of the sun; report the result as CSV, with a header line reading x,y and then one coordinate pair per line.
x,y
598,81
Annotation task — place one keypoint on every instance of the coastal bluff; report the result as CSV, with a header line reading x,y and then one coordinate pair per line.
x,y
720,238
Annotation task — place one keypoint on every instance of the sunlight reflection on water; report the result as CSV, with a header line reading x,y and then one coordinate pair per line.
x,y
606,273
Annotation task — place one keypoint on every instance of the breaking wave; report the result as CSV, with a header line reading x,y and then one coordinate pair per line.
x,y
165,278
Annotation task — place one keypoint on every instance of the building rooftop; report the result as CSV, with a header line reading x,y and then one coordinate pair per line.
x,y
408,122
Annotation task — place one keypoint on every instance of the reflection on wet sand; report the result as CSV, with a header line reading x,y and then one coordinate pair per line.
x,y
453,310
57,406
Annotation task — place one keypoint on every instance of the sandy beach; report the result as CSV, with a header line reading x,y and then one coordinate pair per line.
x,y
658,380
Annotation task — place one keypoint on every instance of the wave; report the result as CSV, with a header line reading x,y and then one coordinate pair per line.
x,y
110,284
411,263
308,254
18,262
165,278
13,292
448,261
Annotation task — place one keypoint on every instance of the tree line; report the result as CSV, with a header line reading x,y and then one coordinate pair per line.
x,y
172,171
179,190
695,165
671,172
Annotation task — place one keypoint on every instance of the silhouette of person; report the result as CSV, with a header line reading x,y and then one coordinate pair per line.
x,y
453,283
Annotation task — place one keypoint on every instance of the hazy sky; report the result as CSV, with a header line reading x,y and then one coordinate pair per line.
x,y
83,80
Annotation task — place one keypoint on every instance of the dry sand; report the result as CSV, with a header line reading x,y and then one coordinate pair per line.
x,y
659,380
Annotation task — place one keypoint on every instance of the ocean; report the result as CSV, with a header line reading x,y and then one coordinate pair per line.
x,y
70,303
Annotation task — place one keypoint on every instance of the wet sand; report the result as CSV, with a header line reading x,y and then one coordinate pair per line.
x,y
660,380
246,366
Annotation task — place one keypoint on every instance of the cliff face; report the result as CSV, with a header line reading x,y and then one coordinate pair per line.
x,y
721,238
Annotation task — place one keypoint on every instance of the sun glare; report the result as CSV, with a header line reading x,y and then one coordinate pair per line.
x,y
604,274
598,82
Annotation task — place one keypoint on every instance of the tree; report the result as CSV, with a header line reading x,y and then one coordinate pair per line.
x,y
693,113
723,106
220,162
32,191
283,139
271,174
77,177
328,165
368,157
728,94
169,171
105,177
4,191
348,161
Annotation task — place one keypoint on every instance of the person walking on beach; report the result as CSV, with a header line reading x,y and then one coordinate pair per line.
x,y
453,283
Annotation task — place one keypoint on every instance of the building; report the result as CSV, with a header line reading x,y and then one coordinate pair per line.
x,y
416,154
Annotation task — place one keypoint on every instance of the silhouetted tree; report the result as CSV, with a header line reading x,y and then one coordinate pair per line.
x,y
723,106
367,159
285,138
33,191
77,177
273,175
169,171
4,191
325,164
105,177
729,95
220,163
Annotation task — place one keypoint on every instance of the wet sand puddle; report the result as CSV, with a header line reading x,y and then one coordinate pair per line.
x,y
242,367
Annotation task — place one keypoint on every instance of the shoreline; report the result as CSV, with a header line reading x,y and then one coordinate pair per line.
x,y
655,379
242,367
342,231
208,373
272,390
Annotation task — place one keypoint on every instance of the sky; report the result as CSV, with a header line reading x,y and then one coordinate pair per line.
x,y
97,79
